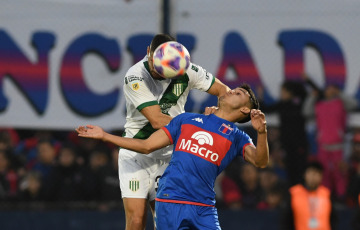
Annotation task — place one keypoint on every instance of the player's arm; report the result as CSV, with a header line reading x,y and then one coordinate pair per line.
x,y
259,155
203,80
143,99
154,115
218,88
156,141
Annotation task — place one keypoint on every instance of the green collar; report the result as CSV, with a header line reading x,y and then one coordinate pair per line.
x,y
146,64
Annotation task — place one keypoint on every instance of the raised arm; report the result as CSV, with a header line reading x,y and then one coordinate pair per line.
x,y
218,88
259,155
156,141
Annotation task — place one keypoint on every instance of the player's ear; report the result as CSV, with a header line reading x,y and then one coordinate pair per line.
x,y
148,52
245,110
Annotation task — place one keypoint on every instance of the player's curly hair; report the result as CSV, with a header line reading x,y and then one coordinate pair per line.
x,y
160,39
254,103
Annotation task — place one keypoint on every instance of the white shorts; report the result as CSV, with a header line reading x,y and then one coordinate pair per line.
x,y
139,175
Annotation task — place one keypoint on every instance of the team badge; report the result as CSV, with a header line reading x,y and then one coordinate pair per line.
x,y
178,89
134,185
225,129
135,86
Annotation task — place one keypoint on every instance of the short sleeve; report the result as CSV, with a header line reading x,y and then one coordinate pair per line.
x,y
173,129
200,78
138,93
242,140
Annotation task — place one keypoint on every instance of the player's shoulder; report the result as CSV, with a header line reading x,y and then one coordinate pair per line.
x,y
136,72
194,69
237,130
198,73
240,134
188,115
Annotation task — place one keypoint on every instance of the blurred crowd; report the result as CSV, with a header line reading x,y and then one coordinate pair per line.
x,y
58,167
312,129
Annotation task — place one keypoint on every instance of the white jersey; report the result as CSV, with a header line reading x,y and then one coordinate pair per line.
x,y
141,90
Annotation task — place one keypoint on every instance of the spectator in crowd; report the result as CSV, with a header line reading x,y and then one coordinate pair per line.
x,y
353,190
8,178
309,205
84,149
268,179
91,174
273,188
8,140
277,164
110,194
274,198
31,187
64,181
356,219
251,192
45,158
110,179
329,107
241,189
231,194
27,149
293,136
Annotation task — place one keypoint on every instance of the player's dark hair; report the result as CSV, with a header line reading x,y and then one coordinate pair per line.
x,y
315,165
254,103
160,39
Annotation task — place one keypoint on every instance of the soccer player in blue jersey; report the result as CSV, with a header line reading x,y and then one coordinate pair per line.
x,y
203,146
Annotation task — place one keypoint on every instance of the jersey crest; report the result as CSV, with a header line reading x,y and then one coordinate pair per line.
x,y
178,89
225,129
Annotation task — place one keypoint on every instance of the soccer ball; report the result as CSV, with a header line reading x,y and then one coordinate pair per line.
x,y
171,59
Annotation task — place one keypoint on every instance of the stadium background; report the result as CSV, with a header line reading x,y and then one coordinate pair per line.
x,y
62,65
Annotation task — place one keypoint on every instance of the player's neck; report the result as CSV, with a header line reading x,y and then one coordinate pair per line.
x,y
229,116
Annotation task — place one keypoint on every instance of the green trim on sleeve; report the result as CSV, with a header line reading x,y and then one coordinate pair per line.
x,y
146,104
212,82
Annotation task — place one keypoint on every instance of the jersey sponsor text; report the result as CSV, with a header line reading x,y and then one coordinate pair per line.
x,y
209,146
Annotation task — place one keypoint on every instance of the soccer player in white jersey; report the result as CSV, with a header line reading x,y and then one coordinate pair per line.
x,y
151,102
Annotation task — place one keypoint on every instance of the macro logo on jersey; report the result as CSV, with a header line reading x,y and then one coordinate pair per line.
x,y
203,138
207,145
134,185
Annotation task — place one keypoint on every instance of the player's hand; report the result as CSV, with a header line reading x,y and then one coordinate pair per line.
x,y
258,121
210,110
90,131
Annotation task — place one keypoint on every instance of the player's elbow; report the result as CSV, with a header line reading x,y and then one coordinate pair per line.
x,y
160,120
147,148
157,125
262,164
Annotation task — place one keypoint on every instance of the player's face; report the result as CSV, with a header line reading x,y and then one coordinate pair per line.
x,y
236,98
153,72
